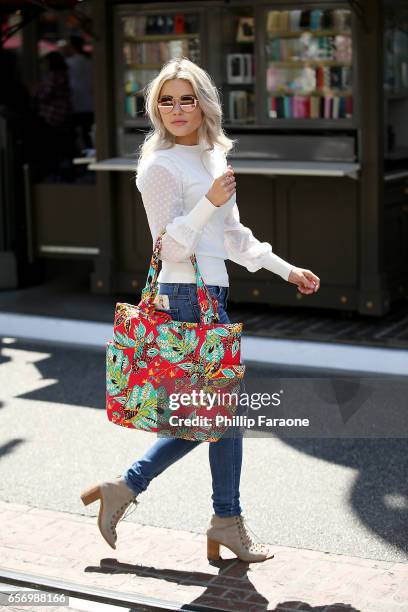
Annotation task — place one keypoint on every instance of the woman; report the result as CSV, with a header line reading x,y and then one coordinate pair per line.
x,y
188,189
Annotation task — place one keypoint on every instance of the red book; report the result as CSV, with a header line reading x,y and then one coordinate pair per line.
x,y
320,77
273,110
178,24
306,106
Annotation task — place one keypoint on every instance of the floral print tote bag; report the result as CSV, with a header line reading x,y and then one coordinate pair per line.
x,y
174,378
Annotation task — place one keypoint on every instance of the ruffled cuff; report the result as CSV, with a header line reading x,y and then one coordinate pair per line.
x,y
276,264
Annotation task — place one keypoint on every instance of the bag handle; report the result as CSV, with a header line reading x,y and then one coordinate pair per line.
x,y
208,303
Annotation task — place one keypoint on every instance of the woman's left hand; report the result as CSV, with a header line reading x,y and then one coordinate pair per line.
x,y
306,281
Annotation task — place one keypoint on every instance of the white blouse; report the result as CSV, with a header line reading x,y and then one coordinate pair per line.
x,y
173,183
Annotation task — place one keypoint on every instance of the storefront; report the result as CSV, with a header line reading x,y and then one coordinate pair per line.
x,y
47,199
316,94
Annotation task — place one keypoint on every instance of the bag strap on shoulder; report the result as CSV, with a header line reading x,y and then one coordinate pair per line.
x,y
208,303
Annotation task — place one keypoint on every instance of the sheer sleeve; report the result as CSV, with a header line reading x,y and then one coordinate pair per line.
x,y
162,197
246,250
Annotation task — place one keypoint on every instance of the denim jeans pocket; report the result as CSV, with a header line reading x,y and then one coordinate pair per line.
x,y
181,294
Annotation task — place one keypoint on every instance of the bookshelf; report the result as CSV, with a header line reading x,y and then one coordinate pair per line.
x,y
237,76
309,65
145,42
273,68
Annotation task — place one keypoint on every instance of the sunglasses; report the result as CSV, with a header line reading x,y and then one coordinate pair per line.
x,y
187,103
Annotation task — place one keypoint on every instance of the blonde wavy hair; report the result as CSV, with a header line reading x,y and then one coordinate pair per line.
x,y
204,88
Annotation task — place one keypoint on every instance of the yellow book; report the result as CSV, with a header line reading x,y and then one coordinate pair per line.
x,y
284,21
314,107
272,24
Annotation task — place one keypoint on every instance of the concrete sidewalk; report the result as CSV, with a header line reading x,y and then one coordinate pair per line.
x,y
172,565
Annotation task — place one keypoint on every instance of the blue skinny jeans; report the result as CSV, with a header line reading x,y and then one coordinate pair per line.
x,y
225,455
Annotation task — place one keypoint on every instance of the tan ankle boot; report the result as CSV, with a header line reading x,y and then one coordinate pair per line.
x,y
115,497
232,532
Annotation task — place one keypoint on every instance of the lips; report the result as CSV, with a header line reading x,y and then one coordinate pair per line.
x,y
179,122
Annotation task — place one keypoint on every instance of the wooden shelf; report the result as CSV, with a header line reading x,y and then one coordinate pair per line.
x,y
311,122
143,66
270,122
300,62
156,37
250,166
296,34
331,92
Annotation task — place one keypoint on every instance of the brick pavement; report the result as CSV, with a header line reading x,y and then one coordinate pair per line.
x,y
172,565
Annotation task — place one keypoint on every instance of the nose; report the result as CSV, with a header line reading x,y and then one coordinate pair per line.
x,y
177,105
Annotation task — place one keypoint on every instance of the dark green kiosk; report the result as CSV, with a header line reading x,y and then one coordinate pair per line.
x,y
316,93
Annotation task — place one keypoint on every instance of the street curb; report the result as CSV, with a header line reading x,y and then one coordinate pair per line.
x,y
105,596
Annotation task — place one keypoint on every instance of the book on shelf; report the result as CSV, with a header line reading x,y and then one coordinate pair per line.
x,y
314,107
134,80
301,107
310,107
158,52
134,106
300,20
238,105
308,78
287,107
305,19
334,48
145,25
327,107
294,20
134,26
335,107
172,24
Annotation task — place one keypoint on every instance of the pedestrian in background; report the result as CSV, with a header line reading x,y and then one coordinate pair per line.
x,y
80,65
54,108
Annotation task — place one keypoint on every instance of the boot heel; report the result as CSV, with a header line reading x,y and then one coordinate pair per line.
x,y
213,550
90,495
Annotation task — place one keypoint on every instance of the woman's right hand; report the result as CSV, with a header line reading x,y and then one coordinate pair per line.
x,y
222,188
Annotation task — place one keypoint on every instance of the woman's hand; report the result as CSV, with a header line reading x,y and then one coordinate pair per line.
x,y
306,281
222,188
